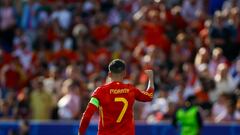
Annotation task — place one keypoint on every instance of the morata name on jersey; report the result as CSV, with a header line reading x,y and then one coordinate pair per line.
x,y
119,91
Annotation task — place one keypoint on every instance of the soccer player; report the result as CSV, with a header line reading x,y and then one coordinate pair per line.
x,y
114,101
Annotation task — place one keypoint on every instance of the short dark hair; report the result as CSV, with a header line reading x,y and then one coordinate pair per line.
x,y
117,66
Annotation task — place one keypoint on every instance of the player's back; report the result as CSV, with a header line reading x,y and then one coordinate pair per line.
x,y
116,108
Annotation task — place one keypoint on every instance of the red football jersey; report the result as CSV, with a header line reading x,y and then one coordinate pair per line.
x,y
116,107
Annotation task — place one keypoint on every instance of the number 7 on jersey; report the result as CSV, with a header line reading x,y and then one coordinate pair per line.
x,y
124,109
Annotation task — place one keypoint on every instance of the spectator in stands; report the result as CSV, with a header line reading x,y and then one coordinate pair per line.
x,y
25,56
159,108
218,32
40,101
29,20
224,82
191,9
7,24
23,105
222,33
69,105
29,15
229,4
220,110
12,76
181,91
61,15
6,111
235,73
204,33
202,57
217,58
184,47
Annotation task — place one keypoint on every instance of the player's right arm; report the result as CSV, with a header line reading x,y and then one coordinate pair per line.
x,y
87,115
146,95
90,110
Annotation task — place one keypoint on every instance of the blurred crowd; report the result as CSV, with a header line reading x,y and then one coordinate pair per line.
x,y
54,53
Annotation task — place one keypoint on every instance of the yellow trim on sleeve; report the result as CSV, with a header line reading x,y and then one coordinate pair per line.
x,y
101,115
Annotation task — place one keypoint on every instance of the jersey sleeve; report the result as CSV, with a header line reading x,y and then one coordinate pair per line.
x,y
143,96
91,108
87,115
97,93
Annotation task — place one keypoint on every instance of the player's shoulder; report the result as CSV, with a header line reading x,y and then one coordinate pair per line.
x,y
102,87
97,92
100,90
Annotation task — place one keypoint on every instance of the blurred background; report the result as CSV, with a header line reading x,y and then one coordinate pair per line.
x,y
54,53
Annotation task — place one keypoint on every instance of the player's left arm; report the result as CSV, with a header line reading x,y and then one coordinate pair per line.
x,y
87,115
146,95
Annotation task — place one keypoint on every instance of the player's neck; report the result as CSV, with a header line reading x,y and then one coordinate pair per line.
x,y
116,79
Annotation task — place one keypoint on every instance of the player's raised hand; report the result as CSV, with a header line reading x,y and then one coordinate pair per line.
x,y
149,73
